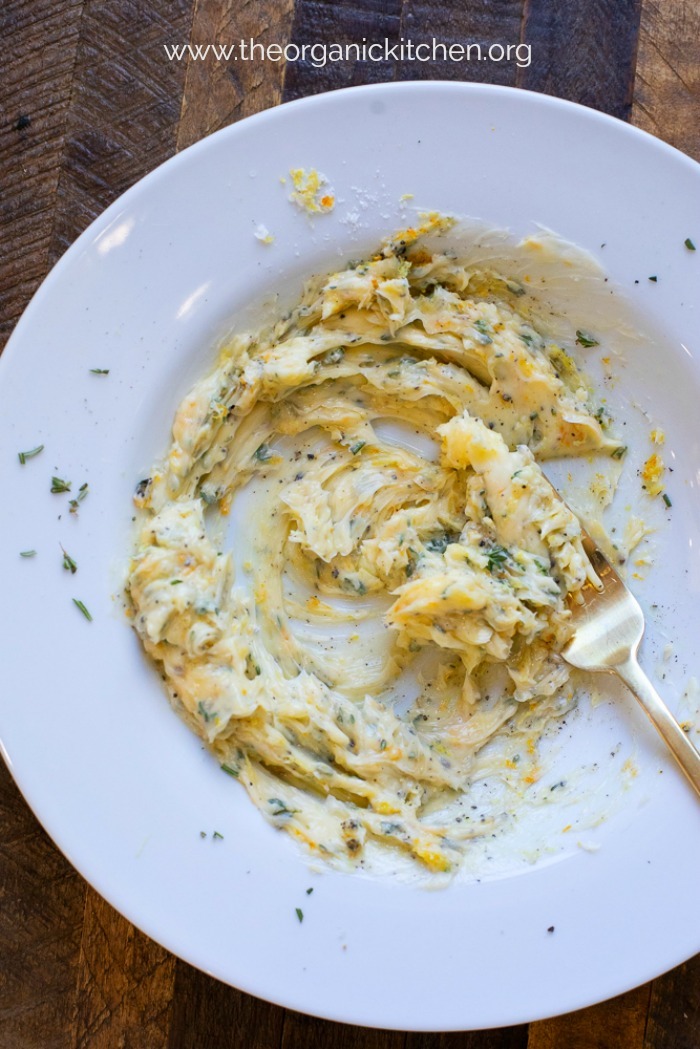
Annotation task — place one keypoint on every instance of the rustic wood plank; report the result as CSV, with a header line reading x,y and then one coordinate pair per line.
x,y
674,1009
41,905
457,22
125,106
343,22
125,983
616,1024
220,91
40,39
498,1038
584,51
305,1032
667,87
208,1014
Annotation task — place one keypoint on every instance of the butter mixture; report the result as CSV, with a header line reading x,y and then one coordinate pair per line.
x,y
444,557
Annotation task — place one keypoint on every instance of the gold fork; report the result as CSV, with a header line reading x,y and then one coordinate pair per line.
x,y
608,628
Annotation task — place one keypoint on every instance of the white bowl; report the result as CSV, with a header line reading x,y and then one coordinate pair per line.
x,y
118,782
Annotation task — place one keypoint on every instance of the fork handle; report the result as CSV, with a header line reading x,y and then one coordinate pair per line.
x,y
673,735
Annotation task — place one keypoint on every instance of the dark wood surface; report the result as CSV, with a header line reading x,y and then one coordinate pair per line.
x,y
89,104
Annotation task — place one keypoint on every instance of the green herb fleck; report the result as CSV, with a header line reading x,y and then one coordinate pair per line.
x,y
299,914
230,771
584,339
355,448
689,244
83,609
617,453
175,582
653,279
99,371
27,553
382,744
68,563
667,500
279,808
23,456
217,835
483,332
309,891
202,834
58,485
262,454
75,503
497,556
203,712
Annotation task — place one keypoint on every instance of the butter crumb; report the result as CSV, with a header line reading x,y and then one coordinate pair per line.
x,y
652,472
309,194
263,234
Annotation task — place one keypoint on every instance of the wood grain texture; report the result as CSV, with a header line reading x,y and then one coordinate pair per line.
x,y
125,106
39,41
498,1038
583,50
305,1032
41,908
344,22
219,92
667,87
207,1014
674,1009
617,1024
125,983
453,21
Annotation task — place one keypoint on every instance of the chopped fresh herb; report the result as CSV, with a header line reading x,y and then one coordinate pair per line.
x,y
202,834
83,609
99,371
439,543
217,835
204,713
75,503
617,453
584,339
653,279
262,453
689,244
382,744
299,913
68,563
667,500
230,771
497,556
27,553
279,808
355,448
174,582
58,485
23,456
483,332
309,891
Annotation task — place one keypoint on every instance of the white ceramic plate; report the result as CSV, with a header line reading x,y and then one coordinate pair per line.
x,y
118,782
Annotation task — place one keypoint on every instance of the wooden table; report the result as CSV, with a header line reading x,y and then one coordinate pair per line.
x,y
89,104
